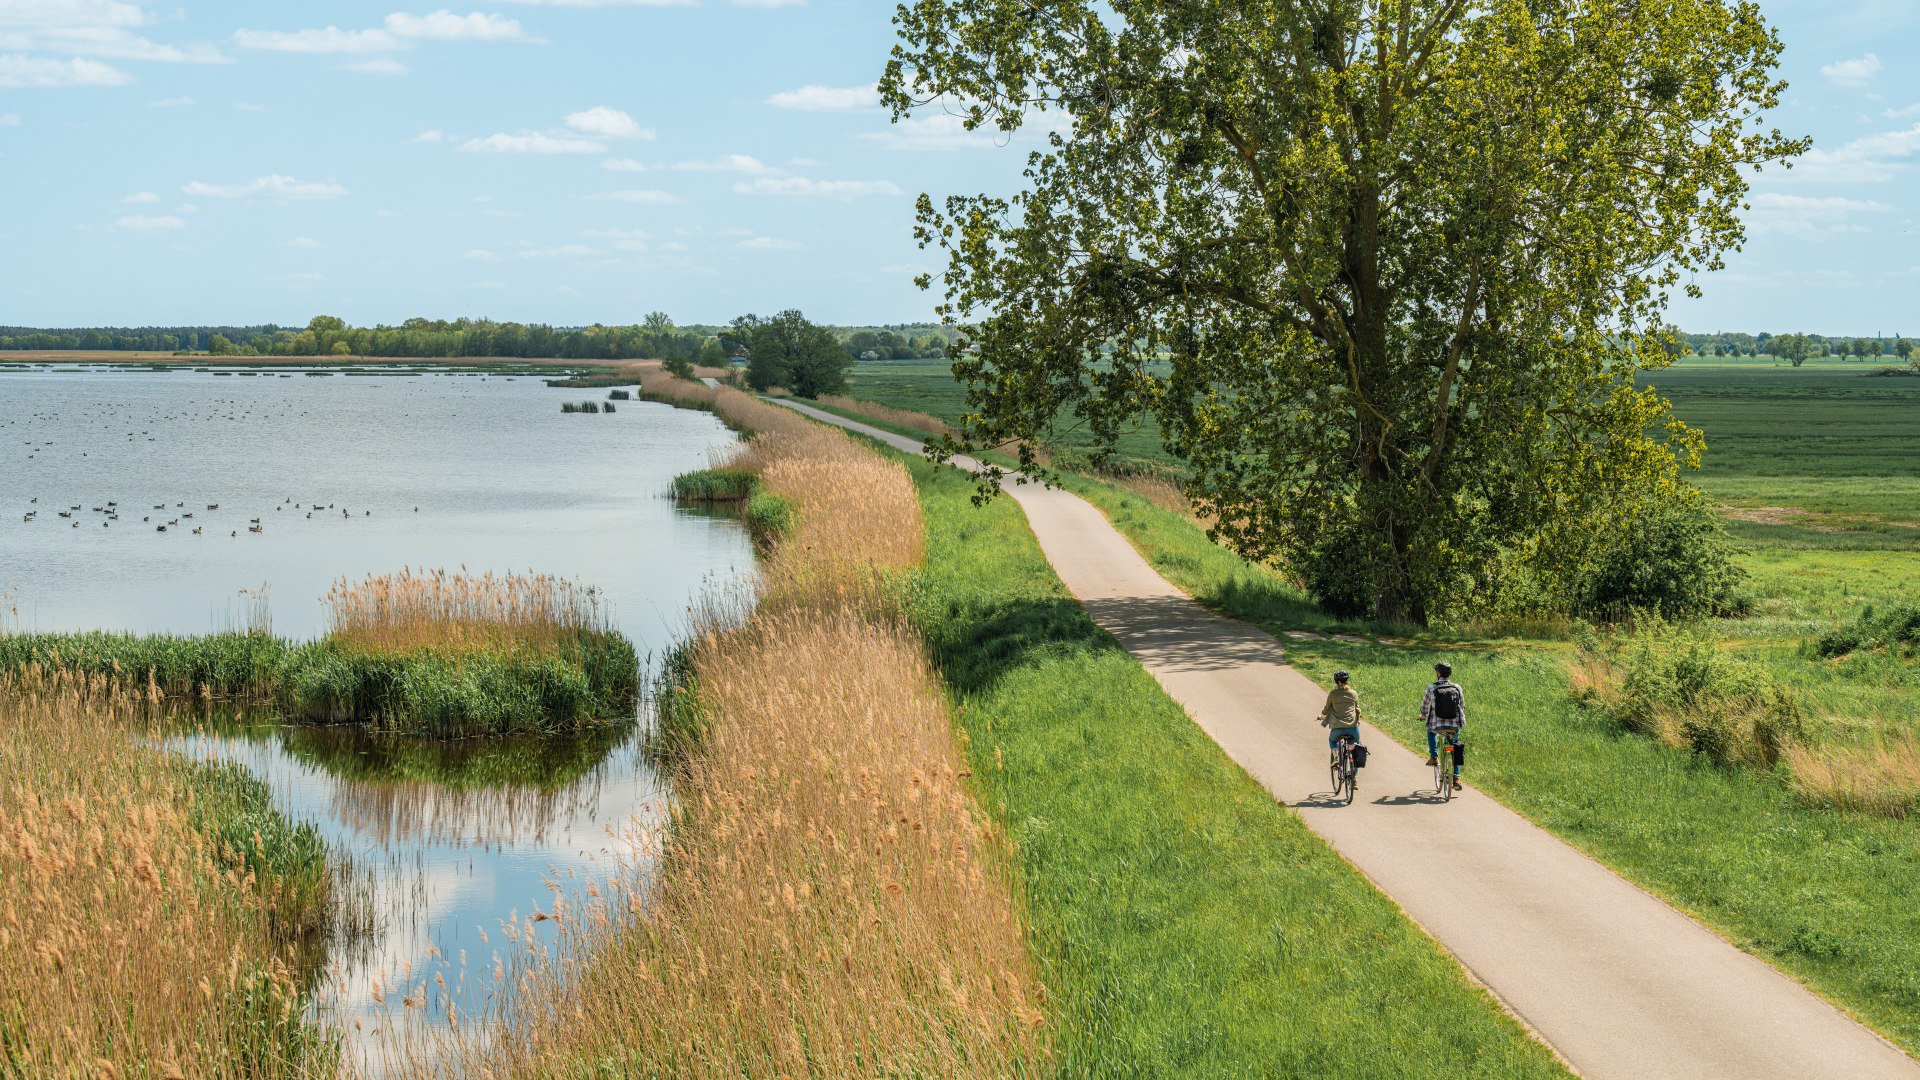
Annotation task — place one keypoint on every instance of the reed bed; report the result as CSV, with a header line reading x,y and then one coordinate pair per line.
x,y
445,612
829,901
439,654
140,933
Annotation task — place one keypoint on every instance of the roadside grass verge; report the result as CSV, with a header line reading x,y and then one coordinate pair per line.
x,y
1186,924
156,915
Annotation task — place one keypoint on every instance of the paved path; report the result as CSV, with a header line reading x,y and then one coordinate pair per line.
x,y
1619,983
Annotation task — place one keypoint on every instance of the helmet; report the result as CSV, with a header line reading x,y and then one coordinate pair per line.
x,y
1443,669
1341,676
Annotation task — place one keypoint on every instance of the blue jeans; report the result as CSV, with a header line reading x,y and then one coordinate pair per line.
x,y
1433,747
1334,735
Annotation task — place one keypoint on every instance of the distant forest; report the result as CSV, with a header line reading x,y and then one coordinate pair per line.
x,y
654,338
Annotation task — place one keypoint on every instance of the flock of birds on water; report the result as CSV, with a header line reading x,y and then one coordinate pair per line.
x,y
111,511
175,517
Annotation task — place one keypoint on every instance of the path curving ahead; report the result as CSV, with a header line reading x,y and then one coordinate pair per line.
x,y
1615,980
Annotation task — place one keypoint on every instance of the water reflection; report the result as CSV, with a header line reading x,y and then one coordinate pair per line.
x,y
456,849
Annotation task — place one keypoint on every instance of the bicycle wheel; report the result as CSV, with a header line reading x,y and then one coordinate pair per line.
x,y
1443,773
1333,770
1353,778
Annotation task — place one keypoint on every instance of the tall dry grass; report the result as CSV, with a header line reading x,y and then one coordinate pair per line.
x,y
129,944
829,901
1883,779
459,612
887,414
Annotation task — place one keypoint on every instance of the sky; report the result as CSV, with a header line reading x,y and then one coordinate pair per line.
x,y
578,161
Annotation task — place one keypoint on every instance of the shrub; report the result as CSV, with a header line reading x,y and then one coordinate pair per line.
x,y
619,395
1897,629
1673,560
1672,682
713,486
678,366
769,517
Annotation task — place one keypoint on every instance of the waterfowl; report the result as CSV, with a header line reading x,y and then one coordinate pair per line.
x,y
159,528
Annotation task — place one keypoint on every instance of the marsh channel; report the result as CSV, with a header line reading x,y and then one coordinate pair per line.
x,y
453,846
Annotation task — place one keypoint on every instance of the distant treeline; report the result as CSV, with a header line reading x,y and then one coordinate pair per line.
x,y
654,338
1798,347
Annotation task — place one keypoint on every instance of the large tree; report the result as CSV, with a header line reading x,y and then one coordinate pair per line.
x,y
1384,272
788,350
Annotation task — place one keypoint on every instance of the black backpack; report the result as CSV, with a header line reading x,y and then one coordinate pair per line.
x,y
1446,701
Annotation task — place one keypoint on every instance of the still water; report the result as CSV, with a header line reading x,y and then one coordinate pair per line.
x,y
449,843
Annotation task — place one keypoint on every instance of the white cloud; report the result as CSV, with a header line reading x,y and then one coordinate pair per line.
x,y
11,119
802,186
533,143
36,72
607,123
430,136
606,3
285,187
1805,215
557,251
142,223
141,197
623,165
768,3
621,239
1902,114
733,163
305,242
486,285
379,65
170,102
648,197
937,131
766,243
386,213
107,42
444,25
1854,72
1872,158
249,106
306,276
330,40
482,255
827,98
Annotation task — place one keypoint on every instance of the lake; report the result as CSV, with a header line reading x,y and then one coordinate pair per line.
x,y
449,843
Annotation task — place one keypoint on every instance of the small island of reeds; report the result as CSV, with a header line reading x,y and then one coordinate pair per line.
x,y
433,653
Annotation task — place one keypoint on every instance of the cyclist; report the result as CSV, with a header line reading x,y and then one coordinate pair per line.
x,y
1443,708
1341,716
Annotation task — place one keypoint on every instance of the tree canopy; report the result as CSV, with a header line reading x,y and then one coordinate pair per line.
x,y
1384,272
788,350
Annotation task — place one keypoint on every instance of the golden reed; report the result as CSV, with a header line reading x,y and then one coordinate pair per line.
x,y
830,901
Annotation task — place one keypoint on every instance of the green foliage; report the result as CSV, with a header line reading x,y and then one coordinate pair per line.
x,y
288,862
1185,924
714,486
1673,682
769,518
1673,560
619,395
585,680
678,366
583,407
1387,271
787,350
679,720
1896,629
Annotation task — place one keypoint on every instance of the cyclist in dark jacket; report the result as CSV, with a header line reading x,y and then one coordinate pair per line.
x,y
1442,708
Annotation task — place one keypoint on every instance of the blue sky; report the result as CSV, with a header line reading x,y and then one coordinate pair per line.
x,y
572,161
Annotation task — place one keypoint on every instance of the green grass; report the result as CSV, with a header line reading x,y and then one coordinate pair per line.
x,y
927,386
288,861
714,486
588,679
1186,924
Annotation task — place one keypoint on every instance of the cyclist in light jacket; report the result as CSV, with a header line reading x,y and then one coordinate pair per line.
x,y
1341,716
1443,708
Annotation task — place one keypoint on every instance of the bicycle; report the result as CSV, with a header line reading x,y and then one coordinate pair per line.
x,y
1452,754
1345,768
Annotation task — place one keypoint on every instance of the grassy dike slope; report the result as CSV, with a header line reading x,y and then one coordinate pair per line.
x,y
1186,925
1830,897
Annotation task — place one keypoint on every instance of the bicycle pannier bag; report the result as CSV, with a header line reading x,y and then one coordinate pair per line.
x,y
1359,756
1459,754
1446,701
